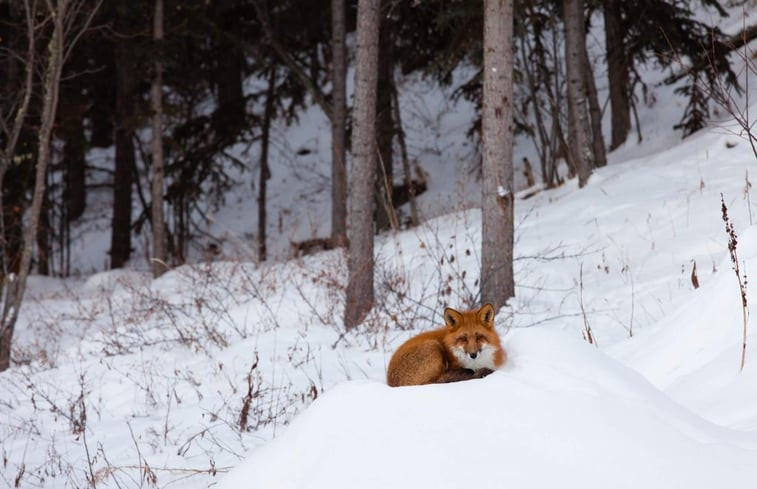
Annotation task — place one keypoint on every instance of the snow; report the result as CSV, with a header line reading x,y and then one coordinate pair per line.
x,y
561,414
234,373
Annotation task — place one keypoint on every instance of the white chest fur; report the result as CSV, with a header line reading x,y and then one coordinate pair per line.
x,y
484,359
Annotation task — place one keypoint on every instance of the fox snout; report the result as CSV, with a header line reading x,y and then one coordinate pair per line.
x,y
475,357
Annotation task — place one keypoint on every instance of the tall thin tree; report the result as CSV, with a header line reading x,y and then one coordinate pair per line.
x,y
125,159
159,254
265,169
360,292
497,200
66,31
338,125
578,114
617,74
595,113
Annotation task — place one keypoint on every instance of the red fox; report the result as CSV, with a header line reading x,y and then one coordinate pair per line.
x,y
467,347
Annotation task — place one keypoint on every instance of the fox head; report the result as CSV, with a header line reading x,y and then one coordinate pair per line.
x,y
471,337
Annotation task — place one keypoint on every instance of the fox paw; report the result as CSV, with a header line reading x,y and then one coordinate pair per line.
x,y
481,373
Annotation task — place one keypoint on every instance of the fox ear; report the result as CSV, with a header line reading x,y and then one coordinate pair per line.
x,y
486,315
452,318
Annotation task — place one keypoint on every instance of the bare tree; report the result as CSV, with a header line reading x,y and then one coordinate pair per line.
x,y
67,27
338,125
497,200
360,292
159,254
575,53
12,123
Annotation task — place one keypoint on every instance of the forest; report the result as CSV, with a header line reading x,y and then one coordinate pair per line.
x,y
168,88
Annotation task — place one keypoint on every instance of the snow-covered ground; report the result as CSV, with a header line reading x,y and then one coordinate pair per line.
x,y
234,373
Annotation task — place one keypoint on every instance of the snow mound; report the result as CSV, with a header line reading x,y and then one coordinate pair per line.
x,y
560,414
694,353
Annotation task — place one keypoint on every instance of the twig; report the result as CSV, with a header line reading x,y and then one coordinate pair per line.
x,y
587,334
742,279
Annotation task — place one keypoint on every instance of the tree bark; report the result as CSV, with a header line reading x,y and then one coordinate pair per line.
x,y
159,253
580,131
617,74
497,200
120,248
360,292
338,125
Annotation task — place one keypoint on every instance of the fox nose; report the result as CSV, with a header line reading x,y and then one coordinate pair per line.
x,y
473,355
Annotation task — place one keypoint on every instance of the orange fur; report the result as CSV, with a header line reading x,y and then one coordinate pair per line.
x,y
466,347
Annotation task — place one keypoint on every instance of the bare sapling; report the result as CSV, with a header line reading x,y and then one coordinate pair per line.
x,y
587,333
742,279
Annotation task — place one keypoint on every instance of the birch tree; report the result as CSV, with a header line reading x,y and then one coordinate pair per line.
x,y
360,292
497,283
65,17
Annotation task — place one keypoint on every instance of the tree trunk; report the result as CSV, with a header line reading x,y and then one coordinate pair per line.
x,y
497,199
338,126
75,163
578,116
617,74
265,170
360,295
123,178
229,118
595,114
44,231
16,288
159,254
385,216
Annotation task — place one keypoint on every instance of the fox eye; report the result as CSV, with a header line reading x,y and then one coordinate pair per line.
x,y
480,338
462,339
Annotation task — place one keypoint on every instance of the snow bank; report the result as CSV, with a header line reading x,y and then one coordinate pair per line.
x,y
561,414
694,353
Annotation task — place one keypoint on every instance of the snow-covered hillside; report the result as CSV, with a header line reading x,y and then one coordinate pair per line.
x,y
128,381
233,373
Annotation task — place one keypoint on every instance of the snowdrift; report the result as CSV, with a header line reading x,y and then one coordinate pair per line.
x,y
560,414
693,354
